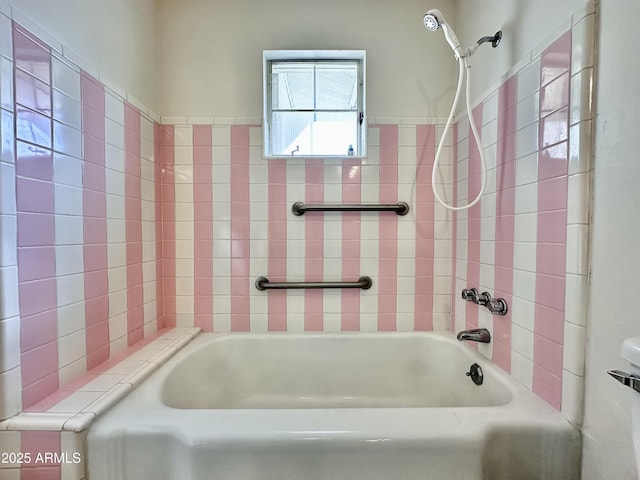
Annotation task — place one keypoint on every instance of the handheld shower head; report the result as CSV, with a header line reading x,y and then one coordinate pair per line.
x,y
433,20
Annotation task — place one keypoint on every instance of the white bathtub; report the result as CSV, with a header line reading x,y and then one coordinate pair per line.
x,y
330,406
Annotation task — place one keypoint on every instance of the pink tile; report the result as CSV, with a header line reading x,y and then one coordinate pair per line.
x,y
132,122
39,363
95,230
552,194
547,355
31,55
34,196
93,123
32,93
36,263
34,162
551,258
554,128
203,135
555,95
37,296
552,227
550,291
555,59
553,161
97,310
94,203
504,253
96,284
39,390
97,339
35,229
34,128
549,323
95,257
92,92
240,135
388,135
38,330
94,150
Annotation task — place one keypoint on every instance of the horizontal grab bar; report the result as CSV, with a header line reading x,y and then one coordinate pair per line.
x,y
263,283
300,208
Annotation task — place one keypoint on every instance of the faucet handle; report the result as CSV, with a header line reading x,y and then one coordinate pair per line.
x,y
483,299
470,295
498,306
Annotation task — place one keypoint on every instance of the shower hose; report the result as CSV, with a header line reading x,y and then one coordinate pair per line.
x,y
463,67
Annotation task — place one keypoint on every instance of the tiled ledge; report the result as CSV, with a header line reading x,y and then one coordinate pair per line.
x,y
74,410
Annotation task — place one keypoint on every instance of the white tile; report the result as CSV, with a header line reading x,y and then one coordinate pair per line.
x,y
524,256
70,289
72,371
67,140
65,78
528,80
68,200
116,255
572,397
76,402
67,170
9,300
8,246
580,147
6,43
10,393
114,133
577,249
117,278
6,84
114,108
10,344
522,369
527,170
183,135
69,259
7,189
528,111
524,284
69,229
526,227
526,200
582,43
574,348
576,299
527,140
490,109
71,348
526,313
522,341
67,110
71,318
581,96
578,199
103,382
407,135
114,157
7,147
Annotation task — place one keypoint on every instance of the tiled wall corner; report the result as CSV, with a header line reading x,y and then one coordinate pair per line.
x,y
533,222
10,396
78,219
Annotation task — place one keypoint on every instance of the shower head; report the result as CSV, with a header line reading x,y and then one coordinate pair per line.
x,y
433,20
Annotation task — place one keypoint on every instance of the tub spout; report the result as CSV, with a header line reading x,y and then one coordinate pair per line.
x,y
481,335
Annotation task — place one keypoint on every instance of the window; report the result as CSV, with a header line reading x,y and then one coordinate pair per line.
x,y
314,103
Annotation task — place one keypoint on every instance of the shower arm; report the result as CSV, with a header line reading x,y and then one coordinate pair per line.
x,y
495,41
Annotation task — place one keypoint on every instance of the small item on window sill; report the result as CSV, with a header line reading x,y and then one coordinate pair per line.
x,y
350,151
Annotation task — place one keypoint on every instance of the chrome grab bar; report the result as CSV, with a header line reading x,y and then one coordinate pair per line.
x,y
263,283
300,208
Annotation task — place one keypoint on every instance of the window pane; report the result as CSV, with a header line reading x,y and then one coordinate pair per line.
x,y
308,133
337,86
292,86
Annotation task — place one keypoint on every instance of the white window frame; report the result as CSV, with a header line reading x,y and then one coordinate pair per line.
x,y
271,56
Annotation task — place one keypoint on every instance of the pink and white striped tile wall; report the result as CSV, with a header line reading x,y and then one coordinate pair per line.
x,y
228,221
527,239
80,259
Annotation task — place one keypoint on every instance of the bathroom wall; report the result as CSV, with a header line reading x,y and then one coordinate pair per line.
x,y
115,41
613,306
79,263
527,240
228,221
524,25
210,53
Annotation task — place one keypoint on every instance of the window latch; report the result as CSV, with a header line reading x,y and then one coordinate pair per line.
x,y
361,117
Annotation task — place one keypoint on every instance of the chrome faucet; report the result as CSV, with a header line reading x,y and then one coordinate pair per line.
x,y
481,335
